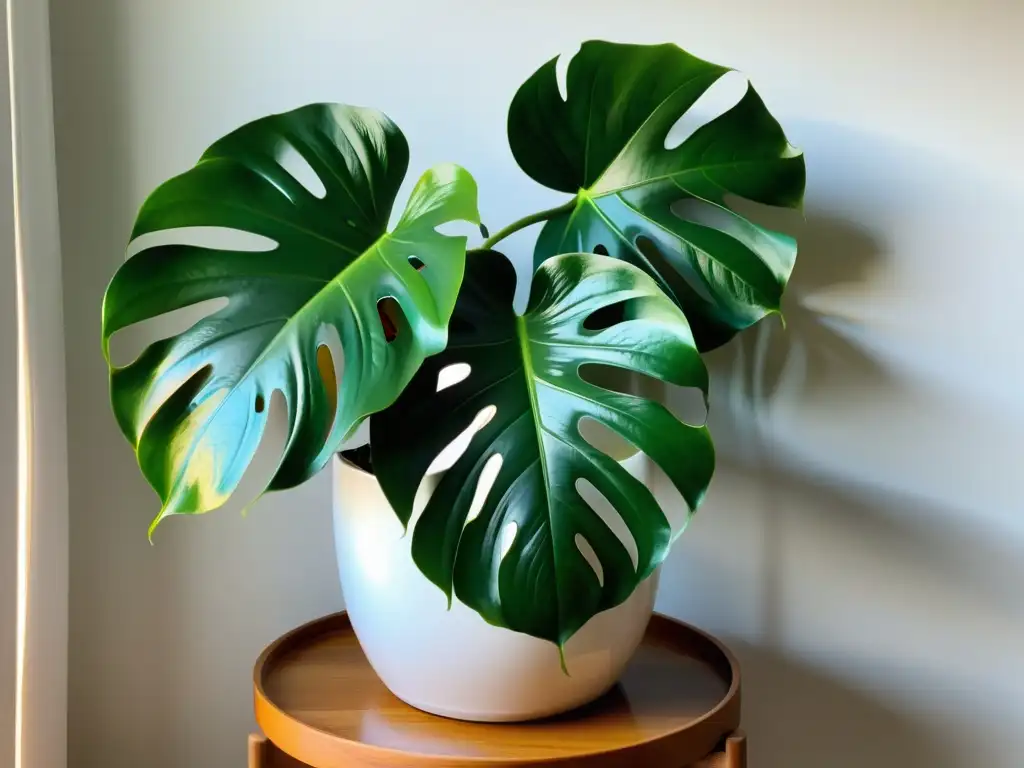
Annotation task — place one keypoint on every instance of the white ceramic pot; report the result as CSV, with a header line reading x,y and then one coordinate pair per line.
x,y
451,662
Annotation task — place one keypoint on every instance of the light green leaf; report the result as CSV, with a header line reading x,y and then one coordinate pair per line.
x,y
195,405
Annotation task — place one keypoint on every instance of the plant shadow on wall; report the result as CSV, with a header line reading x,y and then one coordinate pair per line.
x,y
777,364
797,716
800,715
849,554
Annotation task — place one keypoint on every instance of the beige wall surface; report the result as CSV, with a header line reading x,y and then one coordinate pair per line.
x,y
861,545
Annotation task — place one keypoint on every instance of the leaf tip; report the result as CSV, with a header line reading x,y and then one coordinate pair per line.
x,y
799,207
153,525
781,316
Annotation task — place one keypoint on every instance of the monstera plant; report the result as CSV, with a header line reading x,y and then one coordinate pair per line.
x,y
625,275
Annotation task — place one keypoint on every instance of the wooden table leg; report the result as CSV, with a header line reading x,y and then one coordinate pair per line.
x,y
258,751
736,750
732,754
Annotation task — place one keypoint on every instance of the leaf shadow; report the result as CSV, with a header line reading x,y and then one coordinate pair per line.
x,y
816,350
825,590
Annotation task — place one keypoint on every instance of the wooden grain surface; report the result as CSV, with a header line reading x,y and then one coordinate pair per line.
x,y
319,701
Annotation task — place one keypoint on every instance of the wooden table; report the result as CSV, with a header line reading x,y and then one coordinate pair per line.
x,y
320,705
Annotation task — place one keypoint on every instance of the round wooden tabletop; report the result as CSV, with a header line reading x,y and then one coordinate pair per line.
x,y
319,701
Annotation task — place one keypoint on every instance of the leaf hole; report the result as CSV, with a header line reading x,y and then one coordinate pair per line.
x,y
608,315
483,487
416,263
268,453
445,460
724,94
611,377
605,439
391,317
330,364
685,403
604,510
562,71
458,228
454,450
215,238
680,277
329,381
289,158
128,343
591,557
507,539
452,374
704,213
600,250
672,502
789,221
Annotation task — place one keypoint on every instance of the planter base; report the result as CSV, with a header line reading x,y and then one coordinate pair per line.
x,y
449,661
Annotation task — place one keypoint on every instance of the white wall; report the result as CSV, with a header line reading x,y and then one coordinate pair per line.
x,y
861,547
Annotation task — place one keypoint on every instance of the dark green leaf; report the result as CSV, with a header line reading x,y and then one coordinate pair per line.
x,y
528,367
605,143
195,406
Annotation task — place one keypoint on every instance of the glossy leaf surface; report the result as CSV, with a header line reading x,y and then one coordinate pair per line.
x,y
606,144
528,368
195,405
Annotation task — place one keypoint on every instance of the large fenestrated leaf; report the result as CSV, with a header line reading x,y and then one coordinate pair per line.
x,y
605,143
528,367
195,405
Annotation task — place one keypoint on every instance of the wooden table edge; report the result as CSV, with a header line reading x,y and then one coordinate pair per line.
x,y
318,749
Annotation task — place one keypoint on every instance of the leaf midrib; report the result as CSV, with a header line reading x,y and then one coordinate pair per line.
x,y
702,169
522,335
640,128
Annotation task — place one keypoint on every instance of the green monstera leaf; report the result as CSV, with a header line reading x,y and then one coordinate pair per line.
x,y
583,309
195,405
606,144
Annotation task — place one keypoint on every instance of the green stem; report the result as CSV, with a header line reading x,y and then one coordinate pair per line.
x,y
527,221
